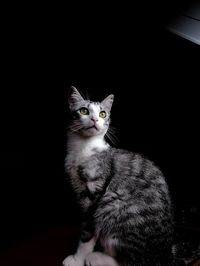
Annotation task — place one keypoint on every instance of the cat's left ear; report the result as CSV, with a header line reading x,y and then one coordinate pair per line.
x,y
108,101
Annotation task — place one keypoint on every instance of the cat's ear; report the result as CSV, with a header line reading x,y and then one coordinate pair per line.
x,y
74,98
108,101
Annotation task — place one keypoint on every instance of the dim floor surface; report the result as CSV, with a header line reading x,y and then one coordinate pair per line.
x,y
47,248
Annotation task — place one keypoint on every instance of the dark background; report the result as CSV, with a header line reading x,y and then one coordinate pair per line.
x,y
117,49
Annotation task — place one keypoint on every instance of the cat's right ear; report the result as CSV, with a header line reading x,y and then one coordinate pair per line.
x,y
74,98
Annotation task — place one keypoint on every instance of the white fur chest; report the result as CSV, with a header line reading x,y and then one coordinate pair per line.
x,y
79,151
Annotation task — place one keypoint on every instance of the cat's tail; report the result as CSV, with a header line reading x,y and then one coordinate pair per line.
x,y
186,253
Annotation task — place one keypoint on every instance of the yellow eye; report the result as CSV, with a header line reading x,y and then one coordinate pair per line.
x,y
84,111
102,114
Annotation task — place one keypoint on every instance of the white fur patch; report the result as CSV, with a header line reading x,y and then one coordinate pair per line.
x,y
73,260
100,259
81,148
83,250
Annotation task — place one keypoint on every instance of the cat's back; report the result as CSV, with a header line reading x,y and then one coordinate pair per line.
x,y
136,167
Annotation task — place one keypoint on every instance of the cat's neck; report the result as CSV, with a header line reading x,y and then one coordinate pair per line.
x,y
85,146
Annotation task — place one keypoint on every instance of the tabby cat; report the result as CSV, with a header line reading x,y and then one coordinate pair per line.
x,y
124,198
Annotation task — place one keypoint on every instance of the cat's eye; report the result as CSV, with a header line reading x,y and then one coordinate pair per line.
x,y
84,111
102,114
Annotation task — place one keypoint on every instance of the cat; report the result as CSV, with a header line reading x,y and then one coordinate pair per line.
x,y
124,198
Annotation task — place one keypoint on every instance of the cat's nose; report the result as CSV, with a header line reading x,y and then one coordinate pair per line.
x,y
94,119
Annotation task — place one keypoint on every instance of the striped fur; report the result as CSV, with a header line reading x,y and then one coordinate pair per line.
x,y
123,196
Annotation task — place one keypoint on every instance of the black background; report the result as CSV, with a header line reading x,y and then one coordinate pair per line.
x,y
101,49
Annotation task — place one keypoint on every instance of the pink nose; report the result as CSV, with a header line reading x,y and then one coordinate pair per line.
x,y
94,119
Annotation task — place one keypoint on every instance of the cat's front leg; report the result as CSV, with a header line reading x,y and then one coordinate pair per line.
x,y
86,244
83,250
73,260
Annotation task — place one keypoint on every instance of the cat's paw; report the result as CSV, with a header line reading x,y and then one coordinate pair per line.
x,y
100,259
73,260
93,259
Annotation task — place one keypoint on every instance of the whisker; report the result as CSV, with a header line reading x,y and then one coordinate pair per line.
x,y
112,129
112,137
75,127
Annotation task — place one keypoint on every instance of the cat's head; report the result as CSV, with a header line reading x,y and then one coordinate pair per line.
x,y
89,118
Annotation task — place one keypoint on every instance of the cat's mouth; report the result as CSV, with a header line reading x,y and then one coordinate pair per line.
x,y
92,127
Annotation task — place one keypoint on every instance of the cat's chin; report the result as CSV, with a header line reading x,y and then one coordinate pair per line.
x,y
92,132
